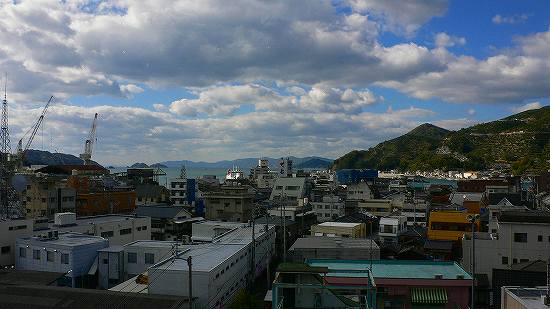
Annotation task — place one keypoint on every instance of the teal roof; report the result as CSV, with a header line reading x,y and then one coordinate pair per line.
x,y
398,269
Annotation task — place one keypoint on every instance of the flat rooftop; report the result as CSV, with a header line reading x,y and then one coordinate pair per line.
x,y
321,242
66,239
529,297
152,244
339,224
395,269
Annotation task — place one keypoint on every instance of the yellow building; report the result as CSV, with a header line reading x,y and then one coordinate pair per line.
x,y
343,229
378,207
449,225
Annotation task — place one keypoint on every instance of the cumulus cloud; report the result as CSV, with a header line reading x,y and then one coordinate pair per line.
x,y
228,99
442,39
519,74
513,19
402,17
526,107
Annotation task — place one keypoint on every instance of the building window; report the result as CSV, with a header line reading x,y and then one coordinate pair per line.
x,y
23,252
18,227
125,231
144,228
50,257
107,234
36,254
539,238
149,258
132,257
139,228
64,258
524,260
6,250
504,260
514,261
105,261
520,237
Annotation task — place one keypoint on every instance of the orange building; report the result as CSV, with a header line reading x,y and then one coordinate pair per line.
x,y
93,199
449,225
105,202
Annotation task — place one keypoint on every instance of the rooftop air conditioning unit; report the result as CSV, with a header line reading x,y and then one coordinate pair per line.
x,y
438,276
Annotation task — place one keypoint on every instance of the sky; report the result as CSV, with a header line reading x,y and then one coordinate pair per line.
x,y
211,80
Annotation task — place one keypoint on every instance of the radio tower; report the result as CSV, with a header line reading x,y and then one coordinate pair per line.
x,y
5,150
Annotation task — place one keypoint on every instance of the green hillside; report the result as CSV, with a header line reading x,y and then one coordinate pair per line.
x,y
522,140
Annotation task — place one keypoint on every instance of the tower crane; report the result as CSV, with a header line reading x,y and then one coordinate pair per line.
x,y
89,143
32,130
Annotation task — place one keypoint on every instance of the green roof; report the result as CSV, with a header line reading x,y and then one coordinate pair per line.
x,y
398,269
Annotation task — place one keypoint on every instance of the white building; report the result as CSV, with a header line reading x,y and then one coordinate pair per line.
x,y
285,167
330,208
119,229
178,189
522,236
415,211
219,269
120,263
359,191
262,175
73,254
391,227
290,191
10,230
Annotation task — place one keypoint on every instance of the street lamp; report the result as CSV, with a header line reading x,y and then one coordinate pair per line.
x,y
472,219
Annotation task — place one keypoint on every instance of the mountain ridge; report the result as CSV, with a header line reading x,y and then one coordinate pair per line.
x,y
520,140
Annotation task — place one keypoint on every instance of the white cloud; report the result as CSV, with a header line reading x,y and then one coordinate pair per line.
x,y
471,111
402,17
455,124
442,39
526,107
514,76
513,19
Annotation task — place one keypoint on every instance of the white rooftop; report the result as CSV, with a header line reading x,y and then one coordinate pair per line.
x,y
339,224
66,239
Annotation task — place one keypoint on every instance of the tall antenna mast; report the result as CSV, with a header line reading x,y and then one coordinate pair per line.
x,y
5,151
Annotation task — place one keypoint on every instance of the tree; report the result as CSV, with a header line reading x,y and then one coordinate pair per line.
x,y
245,300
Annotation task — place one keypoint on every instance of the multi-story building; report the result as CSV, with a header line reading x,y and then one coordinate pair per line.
x,y
330,208
183,191
150,193
262,176
390,228
45,195
377,207
359,191
341,229
10,230
415,210
119,229
72,254
449,225
285,167
290,191
525,297
349,176
522,236
231,202
167,222
219,269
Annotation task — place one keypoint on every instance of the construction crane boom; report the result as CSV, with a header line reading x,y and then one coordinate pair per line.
x,y
89,143
32,130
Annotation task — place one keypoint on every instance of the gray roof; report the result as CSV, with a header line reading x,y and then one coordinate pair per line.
x,y
158,211
319,242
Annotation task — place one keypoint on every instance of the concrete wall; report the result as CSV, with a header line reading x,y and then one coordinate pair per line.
x,y
10,230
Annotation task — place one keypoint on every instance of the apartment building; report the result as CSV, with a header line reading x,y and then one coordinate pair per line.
x,y
231,202
340,229
330,208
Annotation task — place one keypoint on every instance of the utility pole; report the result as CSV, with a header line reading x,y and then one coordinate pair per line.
x,y
284,228
268,274
253,256
473,219
189,263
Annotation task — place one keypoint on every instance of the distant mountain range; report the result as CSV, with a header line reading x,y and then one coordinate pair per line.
x,y
521,140
247,163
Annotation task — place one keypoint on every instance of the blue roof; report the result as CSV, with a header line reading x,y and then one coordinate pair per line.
x,y
398,269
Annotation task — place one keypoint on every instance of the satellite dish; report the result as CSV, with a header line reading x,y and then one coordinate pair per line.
x,y
19,183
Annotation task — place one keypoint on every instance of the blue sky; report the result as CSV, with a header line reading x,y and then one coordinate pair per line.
x,y
210,80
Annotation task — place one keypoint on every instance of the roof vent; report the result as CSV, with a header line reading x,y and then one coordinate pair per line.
x,y
460,277
438,276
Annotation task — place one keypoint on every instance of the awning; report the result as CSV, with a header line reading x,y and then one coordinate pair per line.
x,y
428,296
